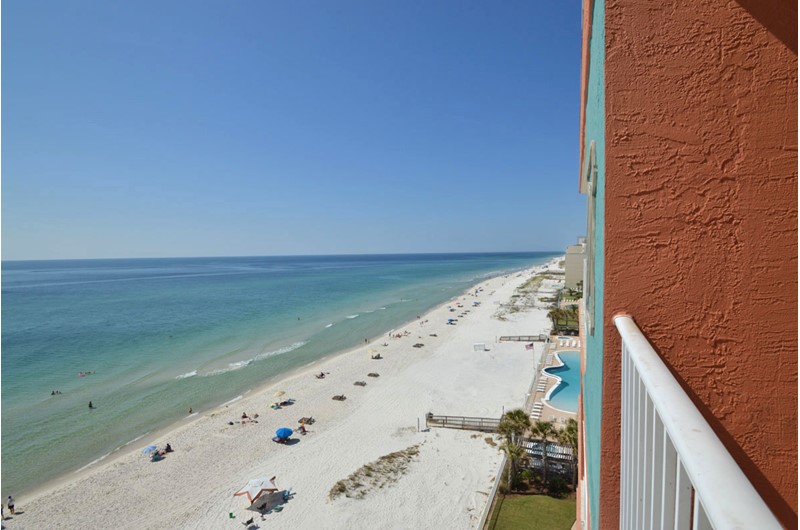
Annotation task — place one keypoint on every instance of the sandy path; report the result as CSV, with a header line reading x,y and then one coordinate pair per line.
x,y
445,486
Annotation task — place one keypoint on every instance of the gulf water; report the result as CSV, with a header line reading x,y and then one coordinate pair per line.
x,y
164,335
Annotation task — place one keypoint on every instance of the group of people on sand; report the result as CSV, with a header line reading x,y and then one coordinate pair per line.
x,y
161,453
55,392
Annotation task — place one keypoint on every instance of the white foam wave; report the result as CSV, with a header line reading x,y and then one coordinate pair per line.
x,y
247,362
280,351
93,462
352,316
329,325
381,308
187,374
137,438
234,400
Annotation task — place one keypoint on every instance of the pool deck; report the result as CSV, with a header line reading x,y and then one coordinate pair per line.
x,y
546,383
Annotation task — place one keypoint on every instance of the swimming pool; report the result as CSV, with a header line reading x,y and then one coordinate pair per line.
x,y
564,396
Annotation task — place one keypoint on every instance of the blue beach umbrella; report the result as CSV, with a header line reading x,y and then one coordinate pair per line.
x,y
283,433
149,449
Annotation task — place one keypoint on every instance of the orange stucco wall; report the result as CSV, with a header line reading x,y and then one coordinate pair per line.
x,y
701,222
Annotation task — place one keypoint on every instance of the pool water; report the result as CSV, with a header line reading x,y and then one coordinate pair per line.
x,y
564,396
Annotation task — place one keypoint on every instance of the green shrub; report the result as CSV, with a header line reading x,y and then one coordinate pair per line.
x,y
557,487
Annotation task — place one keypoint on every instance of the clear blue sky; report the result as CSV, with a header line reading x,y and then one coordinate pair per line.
x,y
200,128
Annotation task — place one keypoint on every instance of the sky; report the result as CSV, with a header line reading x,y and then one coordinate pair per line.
x,y
255,127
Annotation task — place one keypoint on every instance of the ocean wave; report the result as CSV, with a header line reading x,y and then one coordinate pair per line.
x,y
234,400
352,316
93,462
187,374
247,362
329,325
280,351
381,308
135,439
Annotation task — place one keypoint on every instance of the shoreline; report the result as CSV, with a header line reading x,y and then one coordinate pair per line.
x,y
128,447
105,465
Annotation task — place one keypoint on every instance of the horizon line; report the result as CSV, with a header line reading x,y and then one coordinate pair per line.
x,y
289,255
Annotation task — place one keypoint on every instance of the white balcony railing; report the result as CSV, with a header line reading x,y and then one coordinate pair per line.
x,y
675,472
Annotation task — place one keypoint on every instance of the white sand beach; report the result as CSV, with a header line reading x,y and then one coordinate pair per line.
x,y
445,485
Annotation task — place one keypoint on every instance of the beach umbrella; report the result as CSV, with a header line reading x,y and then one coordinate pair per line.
x,y
279,393
283,433
149,449
256,487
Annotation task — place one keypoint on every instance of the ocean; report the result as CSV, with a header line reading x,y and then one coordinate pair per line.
x,y
154,337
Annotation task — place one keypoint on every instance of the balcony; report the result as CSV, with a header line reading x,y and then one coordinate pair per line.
x,y
675,472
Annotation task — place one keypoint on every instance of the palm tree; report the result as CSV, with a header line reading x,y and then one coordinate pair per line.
x,y
569,436
555,315
516,454
513,426
545,431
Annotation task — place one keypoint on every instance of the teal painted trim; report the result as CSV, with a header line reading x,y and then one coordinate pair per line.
x,y
593,379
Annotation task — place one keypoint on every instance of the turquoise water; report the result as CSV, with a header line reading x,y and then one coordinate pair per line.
x,y
163,335
565,395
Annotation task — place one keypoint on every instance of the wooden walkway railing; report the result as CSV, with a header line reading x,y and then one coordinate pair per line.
x,y
465,423
524,338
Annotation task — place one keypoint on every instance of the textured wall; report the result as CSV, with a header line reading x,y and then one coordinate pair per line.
x,y
701,223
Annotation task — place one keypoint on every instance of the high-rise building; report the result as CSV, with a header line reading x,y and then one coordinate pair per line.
x,y
689,322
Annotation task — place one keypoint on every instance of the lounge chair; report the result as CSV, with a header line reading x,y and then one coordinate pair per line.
x,y
360,383
373,374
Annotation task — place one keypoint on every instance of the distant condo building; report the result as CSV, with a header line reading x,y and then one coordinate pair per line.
x,y
688,403
573,266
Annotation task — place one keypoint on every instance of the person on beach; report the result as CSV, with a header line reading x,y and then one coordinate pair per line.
x,y
168,449
10,504
90,405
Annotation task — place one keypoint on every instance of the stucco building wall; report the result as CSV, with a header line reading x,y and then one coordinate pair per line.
x,y
701,224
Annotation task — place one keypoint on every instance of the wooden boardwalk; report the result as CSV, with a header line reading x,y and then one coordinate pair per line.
x,y
465,423
524,338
